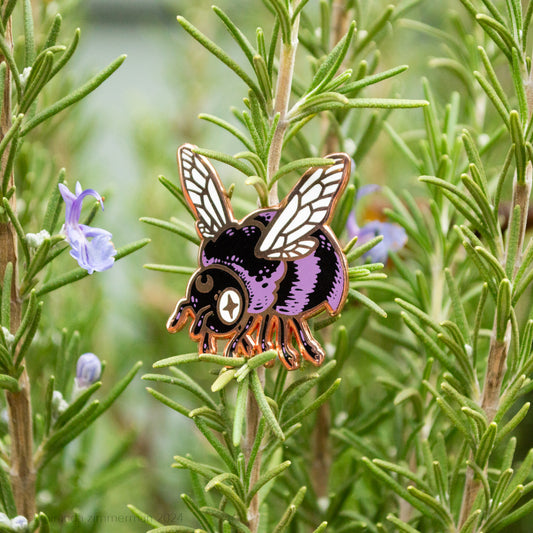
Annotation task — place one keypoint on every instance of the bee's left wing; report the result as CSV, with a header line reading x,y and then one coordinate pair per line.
x,y
203,191
309,205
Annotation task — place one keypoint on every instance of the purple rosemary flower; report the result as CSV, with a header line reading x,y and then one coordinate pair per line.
x,y
94,254
394,236
88,370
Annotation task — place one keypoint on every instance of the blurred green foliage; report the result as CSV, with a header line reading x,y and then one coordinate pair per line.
x,y
381,409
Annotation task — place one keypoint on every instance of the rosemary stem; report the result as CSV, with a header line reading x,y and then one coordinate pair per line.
x,y
281,105
498,350
22,469
253,415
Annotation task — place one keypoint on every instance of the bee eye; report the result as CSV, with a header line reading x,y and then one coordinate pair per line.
x,y
204,283
229,306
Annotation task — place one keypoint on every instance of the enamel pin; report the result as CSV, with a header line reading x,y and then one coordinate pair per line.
x,y
261,278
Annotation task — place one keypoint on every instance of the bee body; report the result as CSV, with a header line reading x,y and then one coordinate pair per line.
x,y
261,278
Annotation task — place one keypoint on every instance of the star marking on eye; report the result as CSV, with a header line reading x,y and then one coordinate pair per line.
x,y
230,306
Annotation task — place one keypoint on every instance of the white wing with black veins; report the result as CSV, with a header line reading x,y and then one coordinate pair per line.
x,y
308,206
204,192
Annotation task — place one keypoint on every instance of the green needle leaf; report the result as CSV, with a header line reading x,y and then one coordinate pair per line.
x,y
18,228
73,97
143,517
6,494
240,411
53,33
177,227
503,309
5,48
221,515
5,304
220,54
315,404
9,383
80,273
332,62
263,404
237,35
289,514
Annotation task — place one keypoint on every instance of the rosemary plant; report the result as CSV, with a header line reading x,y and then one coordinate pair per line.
x,y
463,299
40,426
261,421
414,420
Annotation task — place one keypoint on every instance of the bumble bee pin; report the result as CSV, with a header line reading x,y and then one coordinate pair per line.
x,y
268,273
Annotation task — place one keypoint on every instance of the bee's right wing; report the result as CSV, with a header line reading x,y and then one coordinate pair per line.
x,y
308,206
204,192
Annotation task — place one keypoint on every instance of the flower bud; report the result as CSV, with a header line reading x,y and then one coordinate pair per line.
x,y
10,339
24,75
19,523
34,240
59,405
4,520
88,370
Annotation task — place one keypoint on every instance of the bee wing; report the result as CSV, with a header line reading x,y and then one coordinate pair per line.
x,y
204,192
309,205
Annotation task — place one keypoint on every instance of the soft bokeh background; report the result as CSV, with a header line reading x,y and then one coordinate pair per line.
x,y
128,133
133,124
131,127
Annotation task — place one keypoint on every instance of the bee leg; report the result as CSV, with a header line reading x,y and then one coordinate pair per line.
x,y
290,356
246,346
265,337
180,316
265,334
308,345
209,344
199,322
243,339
